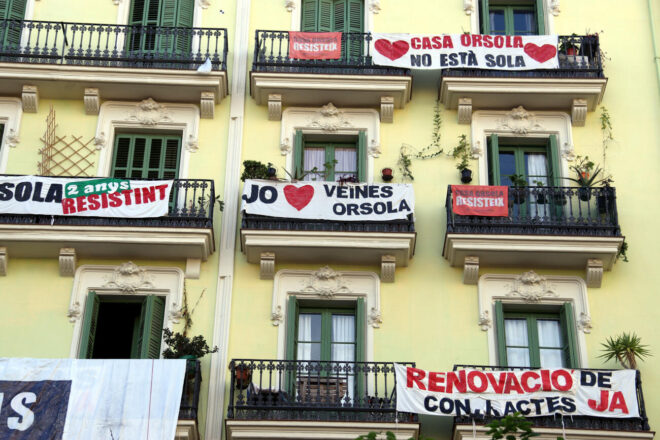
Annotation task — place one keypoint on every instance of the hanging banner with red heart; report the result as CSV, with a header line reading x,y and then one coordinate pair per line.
x,y
315,200
474,51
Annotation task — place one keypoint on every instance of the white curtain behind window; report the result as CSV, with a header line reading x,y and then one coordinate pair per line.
x,y
537,170
343,330
516,334
550,336
346,165
314,157
304,334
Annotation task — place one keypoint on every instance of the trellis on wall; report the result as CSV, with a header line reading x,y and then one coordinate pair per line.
x,y
62,157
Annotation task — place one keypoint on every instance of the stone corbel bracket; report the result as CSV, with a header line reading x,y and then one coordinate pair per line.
x,y
274,107
594,272
465,111
387,109
387,268
68,260
30,97
579,112
207,105
267,266
471,270
92,100
3,261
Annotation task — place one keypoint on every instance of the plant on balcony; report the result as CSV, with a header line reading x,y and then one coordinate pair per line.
x,y
462,153
408,152
626,349
253,169
518,192
180,346
622,253
540,194
568,46
587,177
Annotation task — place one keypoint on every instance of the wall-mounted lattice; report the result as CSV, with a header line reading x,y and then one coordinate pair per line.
x,y
62,157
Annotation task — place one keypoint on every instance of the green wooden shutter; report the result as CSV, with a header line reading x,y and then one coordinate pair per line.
x,y
494,159
184,20
324,22
553,155
146,157
298,154
354,24
485,17
568,325
151,327
360,329
89,325
500,334
540,17
309,15
361,156
14,12
291,319
167,19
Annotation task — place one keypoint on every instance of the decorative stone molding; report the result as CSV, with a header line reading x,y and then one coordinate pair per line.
x,y
12,138
4,256
579,112
553,7
568,152
471,270
192,145
465,110
468,7
11,113
125,279
274,107
129,278
387,109
519,121
116,2
374,6
387,268
476,150
594,272
267,266
290,5
148,114
30,97
67,262
204,4
531,287
497,287
92,101
344,122
207,105
193,268
326,285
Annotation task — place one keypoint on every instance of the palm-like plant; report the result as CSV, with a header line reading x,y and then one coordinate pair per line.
x,y
626,349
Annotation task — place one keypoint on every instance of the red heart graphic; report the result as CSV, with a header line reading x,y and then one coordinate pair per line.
x,y
390,50
298,197
540,54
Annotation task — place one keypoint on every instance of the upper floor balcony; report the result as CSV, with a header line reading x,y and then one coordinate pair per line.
x,y
94,61
550,427
577,86
555,227
314,399
352,80
185,233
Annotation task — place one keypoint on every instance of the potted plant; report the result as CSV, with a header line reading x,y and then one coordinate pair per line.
x,y
541,198
253,169
587,177
518,191
179,346
387,174
605,199
568,45
464,155
626,349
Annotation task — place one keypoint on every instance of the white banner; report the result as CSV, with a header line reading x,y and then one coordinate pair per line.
x,y
86,399
328,200
93,197
532,393
473,51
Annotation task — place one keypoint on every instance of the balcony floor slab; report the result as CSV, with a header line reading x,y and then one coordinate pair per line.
x,y
465,432
290,430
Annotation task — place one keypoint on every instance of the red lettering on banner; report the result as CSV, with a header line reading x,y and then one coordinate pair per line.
x,y
619,402
604,399
81,204
149,194
93,200
414,43
436,381
465,40
476,40
456,380
568,380
415,375
545,380
115,200
127,196
488,40
524,381
482,379
447,43
104,200
498,386
437,44
512,384
68,206
161,191
517,41
315,45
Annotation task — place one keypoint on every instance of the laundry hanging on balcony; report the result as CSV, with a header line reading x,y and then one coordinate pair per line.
x,y
96,197
538,392
473,51
90,398
328,200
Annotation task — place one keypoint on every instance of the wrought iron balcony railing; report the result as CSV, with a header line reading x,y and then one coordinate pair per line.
x,y
271,54
579,57
191,206
190,395
535,210
310,390
573,422
111,45
251,221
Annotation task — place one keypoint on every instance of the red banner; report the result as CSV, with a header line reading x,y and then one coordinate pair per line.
x,y
490,201
315,45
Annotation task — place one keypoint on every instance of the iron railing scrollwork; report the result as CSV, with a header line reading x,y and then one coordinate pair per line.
x,y
252,221
192,382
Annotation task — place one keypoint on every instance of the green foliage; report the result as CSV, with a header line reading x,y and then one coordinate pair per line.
x,y
623,251
625,349
518,180
511,427
253,169
462,153
179,345
406,152
299,175
606,130
389,435
587,173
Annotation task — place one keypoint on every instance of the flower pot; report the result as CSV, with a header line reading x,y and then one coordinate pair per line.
x,y
518,195
541,197
466,175
243,376
271,172
605,201
558,198
387,174
584,193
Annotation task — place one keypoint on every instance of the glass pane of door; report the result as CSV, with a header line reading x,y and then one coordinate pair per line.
x,y
309,337
524,22
551,350
517,342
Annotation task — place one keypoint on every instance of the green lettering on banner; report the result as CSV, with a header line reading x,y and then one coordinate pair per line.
x,y
97,186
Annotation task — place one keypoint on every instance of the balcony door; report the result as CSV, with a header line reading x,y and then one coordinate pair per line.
x,y
512,17
12,14
140,156
336,16
150,28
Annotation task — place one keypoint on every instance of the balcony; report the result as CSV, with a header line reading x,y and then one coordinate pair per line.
x,y
388,244
186,428
62,60
577,86
185,233
582,427
554,227
303,399
350,81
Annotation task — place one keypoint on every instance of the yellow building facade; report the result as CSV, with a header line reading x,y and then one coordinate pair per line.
x,y
310,314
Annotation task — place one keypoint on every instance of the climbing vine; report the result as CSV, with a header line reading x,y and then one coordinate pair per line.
x,y
408,152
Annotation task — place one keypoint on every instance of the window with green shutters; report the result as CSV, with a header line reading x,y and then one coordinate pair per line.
x,y
512,17
13,13
120,327
152,16
330,161
140,156
536,339
336,16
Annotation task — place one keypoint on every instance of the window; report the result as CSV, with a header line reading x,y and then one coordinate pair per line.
x,y
146,156
535,159
330,160
121,327
536,339
13,13
152,14
512,17
335,16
